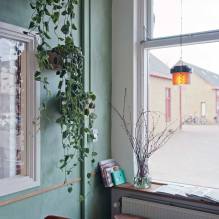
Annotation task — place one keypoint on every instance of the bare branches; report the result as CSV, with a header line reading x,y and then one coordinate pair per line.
x,y
124,100
149,133
125,126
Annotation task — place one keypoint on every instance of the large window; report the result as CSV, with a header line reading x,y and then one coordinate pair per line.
x,y
13,108
190,156
217,105
197,16
18,113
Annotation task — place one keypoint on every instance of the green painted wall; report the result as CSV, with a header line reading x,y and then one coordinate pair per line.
x,y
97,42
98,200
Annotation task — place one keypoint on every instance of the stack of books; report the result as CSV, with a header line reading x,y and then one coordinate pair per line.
x,y
111,173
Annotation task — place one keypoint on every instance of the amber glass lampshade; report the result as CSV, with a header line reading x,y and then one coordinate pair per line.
x,y
181,75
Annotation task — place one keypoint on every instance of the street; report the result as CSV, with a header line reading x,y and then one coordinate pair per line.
x,y
191,157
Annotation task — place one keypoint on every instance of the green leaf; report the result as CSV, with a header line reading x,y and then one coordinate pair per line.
x,y
63,72
61,39
56,7
60,84
73,27
68,41
49,2
66,158
68,172
92,105
38,78
64,13
32,6
86,130
46,11
38,19
70,189
37,74
55,17
64,134
93,97
46,25
86,112
46,35
31,25
94,154
86,150
63,165
65,29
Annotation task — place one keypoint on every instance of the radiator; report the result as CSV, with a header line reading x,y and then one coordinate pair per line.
x,y
160,211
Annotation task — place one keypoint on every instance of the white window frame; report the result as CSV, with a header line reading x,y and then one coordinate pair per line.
x,y
19,183
147,43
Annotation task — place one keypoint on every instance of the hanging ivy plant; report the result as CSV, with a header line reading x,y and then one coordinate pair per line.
x,y
55,18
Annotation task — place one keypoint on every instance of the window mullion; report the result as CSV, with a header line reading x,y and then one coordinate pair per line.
x,y
187,39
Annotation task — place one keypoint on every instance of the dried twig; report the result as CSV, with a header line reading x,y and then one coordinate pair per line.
x,y
146,138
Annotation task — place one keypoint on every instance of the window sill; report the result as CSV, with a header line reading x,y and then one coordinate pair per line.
x,y
16,184
128,190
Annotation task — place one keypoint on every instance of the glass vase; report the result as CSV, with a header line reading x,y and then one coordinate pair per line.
x,y
142,179
142,182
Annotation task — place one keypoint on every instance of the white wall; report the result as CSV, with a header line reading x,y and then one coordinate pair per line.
x,y
125,44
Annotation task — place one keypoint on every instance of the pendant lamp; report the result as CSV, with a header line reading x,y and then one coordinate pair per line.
x,y
181,73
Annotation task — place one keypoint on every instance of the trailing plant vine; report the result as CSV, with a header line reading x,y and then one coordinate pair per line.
x,y
54,20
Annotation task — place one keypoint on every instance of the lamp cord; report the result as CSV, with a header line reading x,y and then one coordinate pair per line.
x,y
181,12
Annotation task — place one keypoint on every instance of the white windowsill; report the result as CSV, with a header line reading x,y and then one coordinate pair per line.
x,y
16,184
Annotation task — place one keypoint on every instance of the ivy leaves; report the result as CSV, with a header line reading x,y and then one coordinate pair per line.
x,y
65,28
55,18
60,13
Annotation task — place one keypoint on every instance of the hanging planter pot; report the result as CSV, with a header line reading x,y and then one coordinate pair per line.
x,y
55,60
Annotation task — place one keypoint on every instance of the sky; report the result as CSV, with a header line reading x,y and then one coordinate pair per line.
x,y
197,15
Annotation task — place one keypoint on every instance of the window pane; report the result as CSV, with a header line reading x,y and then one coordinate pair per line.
x,y
197,16
12,108
217,105
191,155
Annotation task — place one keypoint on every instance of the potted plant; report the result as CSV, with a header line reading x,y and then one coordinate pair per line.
x,y
53,20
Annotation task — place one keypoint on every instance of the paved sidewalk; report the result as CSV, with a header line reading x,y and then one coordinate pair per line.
x,y
191,156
